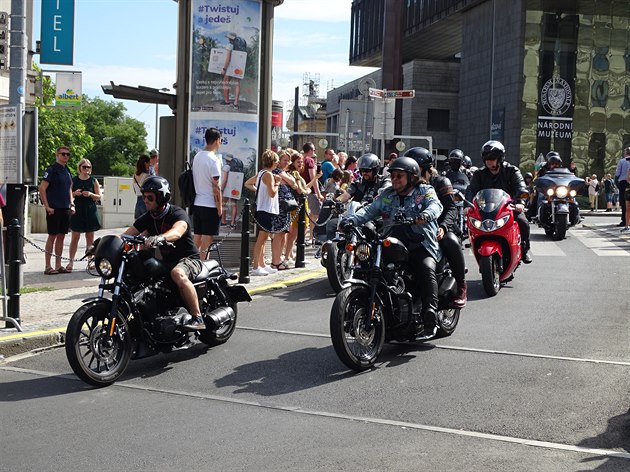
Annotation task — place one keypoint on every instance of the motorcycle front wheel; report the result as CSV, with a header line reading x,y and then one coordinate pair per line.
x,y
562,223
358,341
338,267
488,266
94,357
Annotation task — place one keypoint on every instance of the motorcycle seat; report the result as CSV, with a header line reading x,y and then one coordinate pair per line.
x,y
211,268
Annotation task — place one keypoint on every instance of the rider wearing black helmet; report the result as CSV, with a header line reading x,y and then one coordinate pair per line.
x,y
448,231
553,162
164,222
365,189
459,179
420,202
499,174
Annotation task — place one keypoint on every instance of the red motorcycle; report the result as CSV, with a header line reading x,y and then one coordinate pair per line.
x,y
495,238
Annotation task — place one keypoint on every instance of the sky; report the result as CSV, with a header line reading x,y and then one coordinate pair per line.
x,y
134,42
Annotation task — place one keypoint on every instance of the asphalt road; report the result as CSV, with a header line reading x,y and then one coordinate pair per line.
x,y
534,379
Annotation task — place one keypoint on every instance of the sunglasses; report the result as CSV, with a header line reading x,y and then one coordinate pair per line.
x,y
148,198
86,167
396,176
64,153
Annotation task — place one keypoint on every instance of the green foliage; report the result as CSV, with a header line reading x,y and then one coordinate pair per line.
x,y
99,131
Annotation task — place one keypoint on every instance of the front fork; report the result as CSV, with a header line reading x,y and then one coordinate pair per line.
x,y
111,321
373,285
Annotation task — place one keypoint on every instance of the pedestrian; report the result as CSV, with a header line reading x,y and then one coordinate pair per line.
x,y
154,164
265,184
346,179
287,184
208,205
573,167
55,191
142,172
621,176
351,165
328,165
86,191
333,184
612,198
296,166
626,195
593,192
309,173
343,157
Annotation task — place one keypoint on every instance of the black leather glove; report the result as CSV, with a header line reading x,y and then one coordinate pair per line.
x,y
346,225
154,241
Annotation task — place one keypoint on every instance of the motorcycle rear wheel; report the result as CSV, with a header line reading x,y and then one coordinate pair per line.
x,y
488,266
216,337
357,345
337,267
562,223
93,358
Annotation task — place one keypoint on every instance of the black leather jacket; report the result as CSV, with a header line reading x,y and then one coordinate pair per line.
x,y
365,192
508,179
448,218
458,179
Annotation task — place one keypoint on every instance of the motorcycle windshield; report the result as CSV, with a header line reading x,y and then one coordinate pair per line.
x,y
490,200
559,177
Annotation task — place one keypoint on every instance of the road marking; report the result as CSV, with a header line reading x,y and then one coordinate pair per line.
x,y
546,248
365,419
601,245
458,348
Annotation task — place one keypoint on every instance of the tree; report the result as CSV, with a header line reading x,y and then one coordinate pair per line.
x,y
99,131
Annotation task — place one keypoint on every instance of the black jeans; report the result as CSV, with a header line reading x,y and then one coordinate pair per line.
x,y
452,249
422,266
622,185
523,226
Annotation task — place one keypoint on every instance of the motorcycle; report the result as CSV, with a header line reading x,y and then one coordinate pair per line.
x,y
495,238
559,210
144,315
381,304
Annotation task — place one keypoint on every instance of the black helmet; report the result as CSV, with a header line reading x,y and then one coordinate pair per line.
x,y
554,160
455,158
551,154
369,161
159,186
493,150
407,164
528,175
422,156
467,162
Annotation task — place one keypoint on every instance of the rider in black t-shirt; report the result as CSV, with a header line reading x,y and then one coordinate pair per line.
x,y
164,222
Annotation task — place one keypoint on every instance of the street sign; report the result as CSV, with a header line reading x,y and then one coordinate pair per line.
x,y
375,93
378,93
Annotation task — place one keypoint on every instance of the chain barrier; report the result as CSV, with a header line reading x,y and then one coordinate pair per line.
x,y
36,246
286,227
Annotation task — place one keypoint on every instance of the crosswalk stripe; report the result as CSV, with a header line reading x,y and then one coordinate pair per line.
x,y
546,248
600,245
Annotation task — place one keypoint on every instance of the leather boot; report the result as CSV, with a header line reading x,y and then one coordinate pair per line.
x,y
460,297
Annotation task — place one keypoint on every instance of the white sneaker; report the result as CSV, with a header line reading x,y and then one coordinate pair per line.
x,y
259,271
625,228
270,270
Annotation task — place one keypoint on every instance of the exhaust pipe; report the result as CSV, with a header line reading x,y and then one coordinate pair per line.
x,y
220,316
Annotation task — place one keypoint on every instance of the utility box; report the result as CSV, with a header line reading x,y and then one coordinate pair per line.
x,y
119,202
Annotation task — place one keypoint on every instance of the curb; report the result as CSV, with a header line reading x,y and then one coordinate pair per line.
x,y
20,343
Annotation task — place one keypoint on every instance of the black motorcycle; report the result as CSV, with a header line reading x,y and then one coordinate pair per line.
x,y
558,210
381,303
144,314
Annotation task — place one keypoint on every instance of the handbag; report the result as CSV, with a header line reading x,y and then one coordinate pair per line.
x,y
289,205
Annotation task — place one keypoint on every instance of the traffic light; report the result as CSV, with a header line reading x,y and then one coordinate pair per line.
x,y
4,41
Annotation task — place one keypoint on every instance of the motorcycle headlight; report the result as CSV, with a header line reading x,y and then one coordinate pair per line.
x,y
572,193
490,225
104,268
562,191
363,251
550,192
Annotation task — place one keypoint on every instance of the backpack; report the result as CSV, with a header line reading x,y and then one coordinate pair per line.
x,y
186,185
240,44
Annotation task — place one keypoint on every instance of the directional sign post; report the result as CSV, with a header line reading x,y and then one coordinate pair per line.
x,y
384,113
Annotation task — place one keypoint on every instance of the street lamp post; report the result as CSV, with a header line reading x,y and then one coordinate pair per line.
x,y
164,89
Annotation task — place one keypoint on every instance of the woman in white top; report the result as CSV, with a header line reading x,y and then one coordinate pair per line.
x,y
265,184
142,172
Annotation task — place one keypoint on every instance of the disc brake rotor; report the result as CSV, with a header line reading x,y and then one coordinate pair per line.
x,y
363,334
104,349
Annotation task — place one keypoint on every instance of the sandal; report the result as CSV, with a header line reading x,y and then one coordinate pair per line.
x,y
69,269
50,271
285,264
63,270
279,266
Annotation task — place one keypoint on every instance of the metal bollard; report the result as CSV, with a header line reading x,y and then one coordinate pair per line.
x,y
243,273
14,251
299,244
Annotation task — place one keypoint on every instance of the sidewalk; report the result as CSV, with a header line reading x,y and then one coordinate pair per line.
x,y
48,301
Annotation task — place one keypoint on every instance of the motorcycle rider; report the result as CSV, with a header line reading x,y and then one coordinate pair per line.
x,y
553,161
467,164
164,222
420,202
458,178
499,174
449,232
371,183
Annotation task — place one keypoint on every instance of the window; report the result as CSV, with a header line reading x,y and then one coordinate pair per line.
x,y
438,120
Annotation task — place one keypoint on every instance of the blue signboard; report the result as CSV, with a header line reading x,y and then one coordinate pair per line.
x,y
57,32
